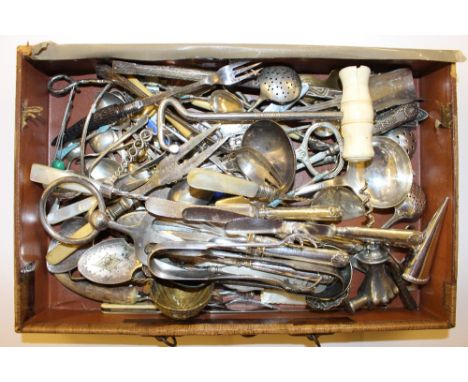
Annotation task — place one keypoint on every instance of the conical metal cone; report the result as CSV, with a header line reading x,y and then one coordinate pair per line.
x,y
419,268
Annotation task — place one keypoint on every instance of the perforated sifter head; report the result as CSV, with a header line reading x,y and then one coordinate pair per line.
x,y
411,208
279,84
405,137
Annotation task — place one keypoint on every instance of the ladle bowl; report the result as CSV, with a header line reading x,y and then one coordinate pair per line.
x,y
385,180
269,138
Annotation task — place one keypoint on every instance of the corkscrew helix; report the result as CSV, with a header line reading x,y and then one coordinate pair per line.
x,y
368,208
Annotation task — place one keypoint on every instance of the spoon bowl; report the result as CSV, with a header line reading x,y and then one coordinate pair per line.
x,y
109,262
220,101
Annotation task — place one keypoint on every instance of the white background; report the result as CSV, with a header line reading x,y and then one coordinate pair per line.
x,y
454,337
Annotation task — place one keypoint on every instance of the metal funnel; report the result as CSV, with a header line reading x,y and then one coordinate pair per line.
x,y
418,269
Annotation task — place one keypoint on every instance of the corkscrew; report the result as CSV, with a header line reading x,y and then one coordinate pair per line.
x,y
366,201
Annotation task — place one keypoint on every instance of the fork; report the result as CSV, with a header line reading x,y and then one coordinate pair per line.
x,y
227,75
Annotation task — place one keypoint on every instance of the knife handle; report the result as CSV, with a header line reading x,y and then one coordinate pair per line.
x,y
395,117
45,175
405,237
358,114
323,213
214,181
61,251
105,116
178,73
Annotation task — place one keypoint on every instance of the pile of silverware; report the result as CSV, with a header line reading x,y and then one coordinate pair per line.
x,y
246,188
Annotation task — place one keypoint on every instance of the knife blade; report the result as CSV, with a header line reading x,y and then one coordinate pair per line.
x,y
210,214
244,226
166,208
190,212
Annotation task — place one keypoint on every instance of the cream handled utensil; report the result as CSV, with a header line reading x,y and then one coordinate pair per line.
x,y
214,181
45,175
358,114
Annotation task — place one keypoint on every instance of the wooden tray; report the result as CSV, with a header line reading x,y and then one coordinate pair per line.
x,y
42,305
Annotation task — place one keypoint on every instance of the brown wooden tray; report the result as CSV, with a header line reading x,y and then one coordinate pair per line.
x,y
42,305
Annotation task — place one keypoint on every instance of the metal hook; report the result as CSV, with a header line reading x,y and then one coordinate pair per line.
x,y
170,341
57,91
315,339
64,90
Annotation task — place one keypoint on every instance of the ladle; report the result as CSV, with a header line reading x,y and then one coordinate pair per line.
x,y
270,140
388,177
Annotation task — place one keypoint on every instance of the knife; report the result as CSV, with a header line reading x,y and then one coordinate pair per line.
x,y
399,237
176,210
220,215
74,209
210,214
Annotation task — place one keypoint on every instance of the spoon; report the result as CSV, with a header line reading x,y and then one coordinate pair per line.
x,y
109,262
106,168
220,101
279,84
387,177
274,107
411,208
182,192
103,140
